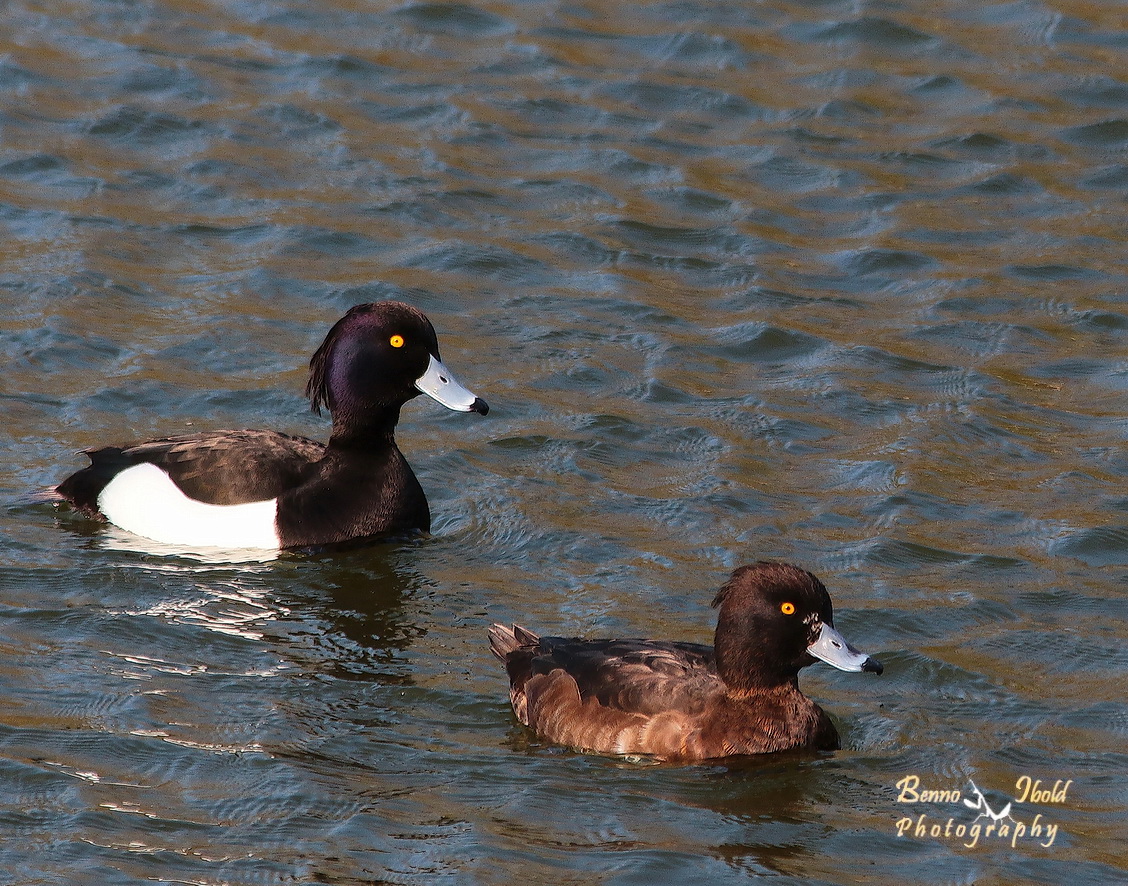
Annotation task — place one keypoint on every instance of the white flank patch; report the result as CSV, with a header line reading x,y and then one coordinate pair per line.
x,y
145,501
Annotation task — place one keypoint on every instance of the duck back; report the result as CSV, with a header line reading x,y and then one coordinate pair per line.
x,y
216,467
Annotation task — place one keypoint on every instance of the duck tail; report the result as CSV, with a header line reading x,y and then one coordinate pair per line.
x,y
504,641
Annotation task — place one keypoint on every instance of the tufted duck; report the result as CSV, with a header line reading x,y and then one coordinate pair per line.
x,y
264,489
685,701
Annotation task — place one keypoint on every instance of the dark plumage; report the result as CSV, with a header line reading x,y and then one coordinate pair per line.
x,y
686,701
358,486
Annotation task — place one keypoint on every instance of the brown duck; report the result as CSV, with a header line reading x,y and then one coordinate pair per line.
x,y
686,701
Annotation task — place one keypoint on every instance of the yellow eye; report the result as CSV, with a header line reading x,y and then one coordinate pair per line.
x,y
787,608
396,341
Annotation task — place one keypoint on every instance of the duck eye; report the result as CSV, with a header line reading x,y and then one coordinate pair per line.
x,y
787,608
396,341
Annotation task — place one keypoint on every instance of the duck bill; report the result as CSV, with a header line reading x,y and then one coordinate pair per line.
x,y
438,383
832,648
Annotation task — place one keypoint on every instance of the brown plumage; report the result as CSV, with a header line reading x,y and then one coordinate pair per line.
x,y
685,701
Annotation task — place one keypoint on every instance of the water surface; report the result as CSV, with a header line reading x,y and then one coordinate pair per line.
x,y
836,283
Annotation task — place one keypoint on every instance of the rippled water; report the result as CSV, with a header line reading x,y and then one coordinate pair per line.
x,y
839,283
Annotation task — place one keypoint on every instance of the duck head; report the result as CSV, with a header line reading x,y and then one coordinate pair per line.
x,y
774,620
376,358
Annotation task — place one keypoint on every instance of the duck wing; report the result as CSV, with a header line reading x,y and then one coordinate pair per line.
x,y
609,696
216,467
635,676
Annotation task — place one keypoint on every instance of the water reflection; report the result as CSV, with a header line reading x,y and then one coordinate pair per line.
x,y
346,614
370,607
111,538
